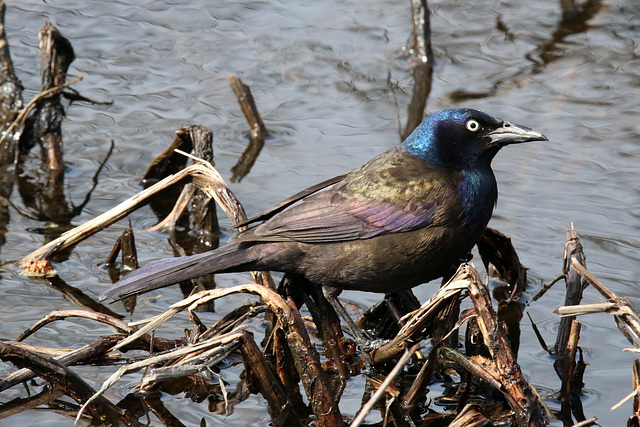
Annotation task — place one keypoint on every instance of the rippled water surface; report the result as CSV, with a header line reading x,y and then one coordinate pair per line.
x,y
332,81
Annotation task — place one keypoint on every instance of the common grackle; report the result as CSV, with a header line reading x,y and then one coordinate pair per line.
x,y
402,219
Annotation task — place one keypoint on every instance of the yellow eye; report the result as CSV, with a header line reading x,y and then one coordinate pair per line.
x,y
472,125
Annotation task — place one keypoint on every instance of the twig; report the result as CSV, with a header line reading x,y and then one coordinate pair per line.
x,y
382,389
586,423
626,319
67,380
174,354
94,349
415,323
544,289
59,315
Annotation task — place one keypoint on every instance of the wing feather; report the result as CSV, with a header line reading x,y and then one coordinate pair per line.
x,y
365,203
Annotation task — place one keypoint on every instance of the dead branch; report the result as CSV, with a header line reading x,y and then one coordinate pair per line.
x,y
91,315
418,323
524,400
575,285
66,380
306,358
626,319
190,350
258,130
282,411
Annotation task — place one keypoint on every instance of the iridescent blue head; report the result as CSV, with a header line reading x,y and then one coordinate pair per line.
x,y
460,138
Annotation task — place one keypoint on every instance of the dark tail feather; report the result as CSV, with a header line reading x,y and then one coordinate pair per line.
x,y
165,272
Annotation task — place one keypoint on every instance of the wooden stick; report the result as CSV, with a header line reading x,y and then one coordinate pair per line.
x,y
524,400
575,286
383,387
258,130
67,380
280,408
86,314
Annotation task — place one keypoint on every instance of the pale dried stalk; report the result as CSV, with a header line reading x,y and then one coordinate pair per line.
x,y
174,354
102,221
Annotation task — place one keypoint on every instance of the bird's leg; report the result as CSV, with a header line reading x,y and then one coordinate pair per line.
x,y
366,343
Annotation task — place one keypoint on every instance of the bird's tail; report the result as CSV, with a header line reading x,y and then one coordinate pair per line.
x,y
165,272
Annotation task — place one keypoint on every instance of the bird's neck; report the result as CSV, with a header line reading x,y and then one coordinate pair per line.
x,y
479,194
421,143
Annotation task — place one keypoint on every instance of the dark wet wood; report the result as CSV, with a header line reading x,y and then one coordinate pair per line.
x,y
10,98
574,286
282,411
634,420
529,409
258,132
67,380
421,65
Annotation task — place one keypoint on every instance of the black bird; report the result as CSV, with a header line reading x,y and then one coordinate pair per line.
x,y
402,219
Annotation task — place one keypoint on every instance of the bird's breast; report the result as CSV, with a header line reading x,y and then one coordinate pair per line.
x,y
478,192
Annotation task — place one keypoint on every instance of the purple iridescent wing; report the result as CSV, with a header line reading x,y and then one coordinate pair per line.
x,y
368,202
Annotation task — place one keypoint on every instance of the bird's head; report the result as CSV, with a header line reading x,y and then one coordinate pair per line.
x,y
459,138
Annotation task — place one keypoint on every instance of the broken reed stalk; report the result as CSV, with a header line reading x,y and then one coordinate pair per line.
x,y
258,130
116,323
306,358
86,352
102,221
415,323
329,329
625,317
569,361
279,406
211,183
180,206
634,420
167,356
56,55
68,381
169,161
496,249
380,392
19,120
203,212
11,102
19,405
203,174
574,286
529,409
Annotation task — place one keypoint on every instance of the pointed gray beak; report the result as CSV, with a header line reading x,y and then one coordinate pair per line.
x,y
509,133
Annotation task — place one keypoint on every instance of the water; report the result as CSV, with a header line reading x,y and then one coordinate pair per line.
x,y
330,79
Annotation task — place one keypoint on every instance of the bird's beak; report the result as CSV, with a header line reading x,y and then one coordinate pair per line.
x,y
509,133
